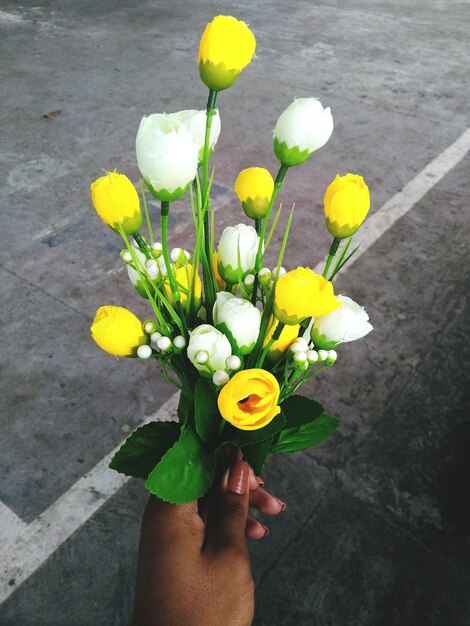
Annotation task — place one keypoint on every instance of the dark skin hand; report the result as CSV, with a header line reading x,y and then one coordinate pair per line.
x,y
194,568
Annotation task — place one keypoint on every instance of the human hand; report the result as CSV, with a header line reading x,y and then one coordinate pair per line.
x,y
194,568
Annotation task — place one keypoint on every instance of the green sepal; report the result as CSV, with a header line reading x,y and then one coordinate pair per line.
x,y
217,77
290,156
341,232
241,438
139,454
255,208
255,454
321,341
206,412
230,275
185,472
165,195
305,435
130,224
185,409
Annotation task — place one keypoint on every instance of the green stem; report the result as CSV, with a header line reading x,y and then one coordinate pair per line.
x,y
208,280
175,293
276,334
142,244
146,211
331,254
277,185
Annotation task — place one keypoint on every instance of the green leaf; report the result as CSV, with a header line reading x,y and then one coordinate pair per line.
x,y
306,435
256,453
185,472
206,411
301,410
241,438
139,454
185,408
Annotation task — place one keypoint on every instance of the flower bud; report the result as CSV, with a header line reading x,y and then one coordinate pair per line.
x,y
180,256
118,331
117,202
249,280
322,355
154,337
300,360
226,47
238,319
347,323
305,126
233,362
254,188
220,378
346,204
166,155
179,342
126,256
202,357
156,249
332,356
195,123
152,267
144,352
312,356
149,326
164,344
237,240
211,341
300,344
264,276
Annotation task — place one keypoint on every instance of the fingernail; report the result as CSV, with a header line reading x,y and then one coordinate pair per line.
x,y
266,530
283,505
238,477
260,480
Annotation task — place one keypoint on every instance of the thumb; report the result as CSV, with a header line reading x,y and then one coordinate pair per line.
x,y
228,511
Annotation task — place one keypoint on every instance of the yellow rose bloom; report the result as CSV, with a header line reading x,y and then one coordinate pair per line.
x,y
117,202
226,47
182,275
249,400
117,331
254,188
300,294
215,267
346,203
287,336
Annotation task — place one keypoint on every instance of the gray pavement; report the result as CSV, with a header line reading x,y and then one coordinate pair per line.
x,y
376,528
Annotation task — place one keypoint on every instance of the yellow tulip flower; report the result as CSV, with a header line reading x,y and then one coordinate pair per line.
x,y
182,275
117,202
300,294
254,188
287,336
249,400
346,203
118,331
226,47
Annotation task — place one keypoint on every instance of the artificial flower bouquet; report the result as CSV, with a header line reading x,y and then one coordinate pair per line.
x,y
236,338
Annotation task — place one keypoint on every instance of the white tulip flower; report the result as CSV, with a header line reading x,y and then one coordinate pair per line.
x,y
195,123
166,155
209,341
237,240
238,319
305,126
347,323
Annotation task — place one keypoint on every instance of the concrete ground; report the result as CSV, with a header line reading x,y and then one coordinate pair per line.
x,y
376,527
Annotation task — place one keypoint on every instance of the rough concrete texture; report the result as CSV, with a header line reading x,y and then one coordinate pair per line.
x,y
376,528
